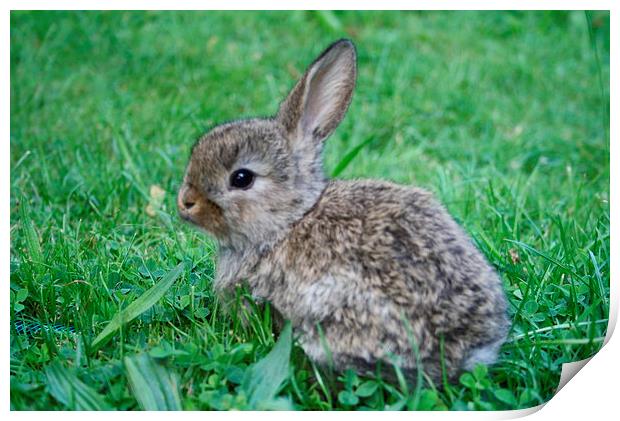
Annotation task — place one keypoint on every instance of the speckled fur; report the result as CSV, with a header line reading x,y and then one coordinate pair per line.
x,y
366,270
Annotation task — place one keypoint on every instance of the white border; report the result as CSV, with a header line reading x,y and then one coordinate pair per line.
x,y
592,394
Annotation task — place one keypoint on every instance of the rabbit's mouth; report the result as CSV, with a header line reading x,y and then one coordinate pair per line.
x,y
211,222
186,217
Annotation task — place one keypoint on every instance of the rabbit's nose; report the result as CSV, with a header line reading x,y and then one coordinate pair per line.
x,y
188,203
187,199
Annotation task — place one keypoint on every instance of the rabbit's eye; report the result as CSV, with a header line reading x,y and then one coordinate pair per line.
x,y
242,179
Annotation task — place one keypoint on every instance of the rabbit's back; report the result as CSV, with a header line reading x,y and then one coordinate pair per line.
x,y
384,269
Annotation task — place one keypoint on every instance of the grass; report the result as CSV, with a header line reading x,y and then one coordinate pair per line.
x,y
505,116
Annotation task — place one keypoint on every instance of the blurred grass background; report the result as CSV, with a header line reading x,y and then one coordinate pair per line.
x,y
504,115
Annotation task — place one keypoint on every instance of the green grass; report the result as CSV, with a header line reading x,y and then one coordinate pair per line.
x,y
505,116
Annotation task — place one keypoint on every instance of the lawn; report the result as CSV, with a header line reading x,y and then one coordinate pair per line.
x,y
503,115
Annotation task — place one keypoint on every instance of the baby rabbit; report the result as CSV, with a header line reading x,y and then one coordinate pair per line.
x,y
367,271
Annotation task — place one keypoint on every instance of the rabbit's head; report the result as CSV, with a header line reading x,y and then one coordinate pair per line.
x,y
248,180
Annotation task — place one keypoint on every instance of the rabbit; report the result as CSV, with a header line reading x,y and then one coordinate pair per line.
x,y
371,274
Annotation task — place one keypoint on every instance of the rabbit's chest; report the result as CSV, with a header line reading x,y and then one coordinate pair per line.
x,y
331,296
299,295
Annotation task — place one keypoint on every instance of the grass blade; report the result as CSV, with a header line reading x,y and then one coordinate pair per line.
x,y
598,277
329,20
599,73
346,160
68,389
154,387
31,236
263,379
130,165
142,304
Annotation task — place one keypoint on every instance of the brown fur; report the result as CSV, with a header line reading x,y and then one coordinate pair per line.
x,y
367,271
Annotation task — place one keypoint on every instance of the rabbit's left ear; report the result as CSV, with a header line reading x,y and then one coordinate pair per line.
x,y
318,102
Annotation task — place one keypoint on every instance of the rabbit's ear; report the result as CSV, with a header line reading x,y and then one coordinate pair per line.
x,y
318,102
